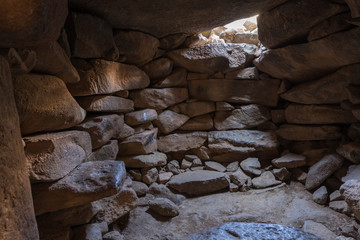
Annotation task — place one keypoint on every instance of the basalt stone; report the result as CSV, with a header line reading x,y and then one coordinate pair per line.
x,y
139,144
90,37
244,117
176,79
321,170
140,117
250,73
168,121
158,68
101,128
234,91
318,114
293,20
198,183
308,133
211,58
350,151
52,59
238,230
104,77
138,48
290,160
194,109
227,146
181,141
158,98
107,152
142,161
45,104
52,156
90,181
201,123
303,62
105,104
164,207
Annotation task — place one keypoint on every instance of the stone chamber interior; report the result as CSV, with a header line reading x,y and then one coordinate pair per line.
x,y
151,120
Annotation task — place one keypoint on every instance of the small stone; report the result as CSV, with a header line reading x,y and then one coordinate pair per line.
x,y
149,175
190,157
164,207
266,179
282,174
214,166
196,163
164,177
350,151
169,121
158,68
136,174
232,167
251,166
162,191
173,166
113,235
140,117
290,160
155,159
240,178
172,41
233,187
185,164
202,153
140,188
320,196
340,206
335,196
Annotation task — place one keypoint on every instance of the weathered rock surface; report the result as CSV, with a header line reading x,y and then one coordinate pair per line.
x,y
293,20
44,104
140,188
350,151
282,174
101,128
266,179
140,117
149,175
162,191
89,231
169,121
181,141
351,192
240,178
113,235
234,91
214,166
52,59
105,104
103,77
194,109
211,58
164,207
141,161
227,146
158,68
138,48
158,98
321,170
90,37
139,144
88,182
52,156
353,173
201,123
318,114
308,61
107,152
244,117
250,73
251,166
238,230
320,196
198,182
308,133
176,79
290,160
319,230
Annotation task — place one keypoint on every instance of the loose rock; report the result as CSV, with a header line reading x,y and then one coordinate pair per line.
x,y
320,196
266,179
290,160
168,121
181,142
251,166
139,144
214,166
164,207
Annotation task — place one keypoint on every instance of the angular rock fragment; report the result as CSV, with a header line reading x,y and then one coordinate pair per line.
x,y
169,121
164,177
251,166
282,174
308,133
142,161
139,144
164,207
105,104
181,141
266,179
149,175
125,131
162,191
240,178
290,160
107,152
351,192
140,117
320,196
201,123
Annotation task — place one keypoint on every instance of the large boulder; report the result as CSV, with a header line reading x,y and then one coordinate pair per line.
x,y
309,61
51,156
45,104
103,77
181,141
244,91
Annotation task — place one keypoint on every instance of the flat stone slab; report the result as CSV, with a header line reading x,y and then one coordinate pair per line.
x,y
139,144
142,161
181,141
238,230
290,160
294,132
199,182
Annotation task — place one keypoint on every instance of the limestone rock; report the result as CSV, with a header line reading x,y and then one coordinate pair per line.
x,y
105,104
140,117
140,188
308,61
318,114
194,109
293,20
164,207
52,59
176,79
211,58
101,128
330,89
158,68
112,208
351,192
201,123
149,175
138,48
158,98
44,104
90,181
290,160
52,156
90,37
227,146
321,170
198,182
239,230
107,152
234,91
214,166
251,166
320,196
168,121
141,161
181,141
142,143
318,230
104,77
266,179
244,117
250,73
350,151
308,133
